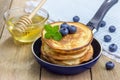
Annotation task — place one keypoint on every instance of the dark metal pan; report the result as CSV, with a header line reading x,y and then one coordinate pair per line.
x,y
93,24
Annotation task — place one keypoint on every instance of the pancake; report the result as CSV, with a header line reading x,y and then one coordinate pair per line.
x,y
89,55
71,62
71,42
65,63
65,52
55,55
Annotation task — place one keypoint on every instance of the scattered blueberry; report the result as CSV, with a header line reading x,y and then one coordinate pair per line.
x,y
110,65
102,24
72,29
76,18
64,31
113,47
112,28
107,38
64,25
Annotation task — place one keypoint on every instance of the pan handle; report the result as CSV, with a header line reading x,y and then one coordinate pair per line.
x,y
98,17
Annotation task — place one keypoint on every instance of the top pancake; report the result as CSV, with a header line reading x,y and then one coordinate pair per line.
x,y
80,39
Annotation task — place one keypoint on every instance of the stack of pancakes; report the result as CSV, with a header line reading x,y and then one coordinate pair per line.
x,y
73,49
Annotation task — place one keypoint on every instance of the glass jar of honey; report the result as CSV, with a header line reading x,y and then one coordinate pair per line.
x,y
32,31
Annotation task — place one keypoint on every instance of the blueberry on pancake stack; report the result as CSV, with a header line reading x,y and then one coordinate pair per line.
x,y
66,43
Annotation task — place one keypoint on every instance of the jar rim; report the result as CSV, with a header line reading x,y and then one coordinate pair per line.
x,y
41,9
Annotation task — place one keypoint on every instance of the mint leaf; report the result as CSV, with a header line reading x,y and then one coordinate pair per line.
x,y
57,36
48,27
48,36
55,28
52,32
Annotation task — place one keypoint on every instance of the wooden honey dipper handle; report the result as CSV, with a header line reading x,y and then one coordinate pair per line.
x,y
36,9
24,20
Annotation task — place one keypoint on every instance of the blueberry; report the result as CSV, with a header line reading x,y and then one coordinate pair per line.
x,y
112,28
113,47
72,29
64,31
109,65
64,25
76,18
102,24
107,38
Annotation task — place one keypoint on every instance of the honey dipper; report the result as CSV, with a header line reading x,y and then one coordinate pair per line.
x,y
26,20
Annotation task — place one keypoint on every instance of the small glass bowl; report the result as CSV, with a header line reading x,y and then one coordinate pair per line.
x,y
32,31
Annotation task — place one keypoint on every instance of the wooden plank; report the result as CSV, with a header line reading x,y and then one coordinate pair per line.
x,y
4,5
99,71
17,61
45,75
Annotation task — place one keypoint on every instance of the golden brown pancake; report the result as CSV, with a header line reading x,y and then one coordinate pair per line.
x,y
70,42
71,62
66,52
89,55
55,55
